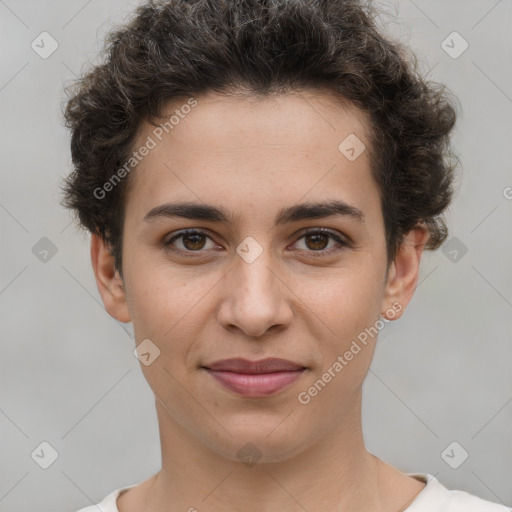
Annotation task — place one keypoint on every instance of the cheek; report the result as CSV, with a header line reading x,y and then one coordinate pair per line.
x,y
346,298
163,312
349,309
155,299
152,283
171,309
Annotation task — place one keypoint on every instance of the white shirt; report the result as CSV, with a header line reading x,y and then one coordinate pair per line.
x,y
434,497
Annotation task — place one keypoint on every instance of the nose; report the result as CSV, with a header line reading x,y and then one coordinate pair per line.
x,y
256,298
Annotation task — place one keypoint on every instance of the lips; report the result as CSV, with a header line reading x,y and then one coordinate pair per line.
x,y
255,378
269,365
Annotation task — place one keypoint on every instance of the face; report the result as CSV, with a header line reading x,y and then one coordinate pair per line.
x,y
270,273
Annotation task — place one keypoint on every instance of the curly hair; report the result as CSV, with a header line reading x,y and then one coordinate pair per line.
x,y
172,49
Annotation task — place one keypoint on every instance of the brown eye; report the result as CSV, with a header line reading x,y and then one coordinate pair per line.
x,y
317,241
191,241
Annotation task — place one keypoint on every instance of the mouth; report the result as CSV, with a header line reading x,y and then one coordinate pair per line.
x,y
255,378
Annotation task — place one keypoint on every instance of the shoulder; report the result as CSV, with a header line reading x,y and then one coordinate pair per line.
x,y
461,501
435,497
109,503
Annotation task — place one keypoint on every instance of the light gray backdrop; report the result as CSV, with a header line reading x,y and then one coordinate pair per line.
x,y
67,373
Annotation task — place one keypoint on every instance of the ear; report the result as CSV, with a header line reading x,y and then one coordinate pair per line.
x,y
109,282
403,274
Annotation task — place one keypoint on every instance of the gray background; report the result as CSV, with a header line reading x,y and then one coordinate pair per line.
x,y
67,372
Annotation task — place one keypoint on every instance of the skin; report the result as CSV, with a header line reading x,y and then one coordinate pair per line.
x,y
254,157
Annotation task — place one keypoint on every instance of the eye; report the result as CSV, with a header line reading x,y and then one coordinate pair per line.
x,y
317,238
192,240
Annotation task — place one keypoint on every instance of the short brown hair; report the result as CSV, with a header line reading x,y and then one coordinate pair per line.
x,y
172,49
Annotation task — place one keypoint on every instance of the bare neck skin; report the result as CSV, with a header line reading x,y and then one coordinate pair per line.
x,y
335,474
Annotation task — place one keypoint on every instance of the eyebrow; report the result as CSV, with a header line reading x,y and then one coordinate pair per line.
x,y
205,212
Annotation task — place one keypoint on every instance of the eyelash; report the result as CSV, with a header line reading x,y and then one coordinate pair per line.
x,y
312,231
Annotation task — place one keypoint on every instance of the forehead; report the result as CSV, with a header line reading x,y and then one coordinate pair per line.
x,y
244,121
254,149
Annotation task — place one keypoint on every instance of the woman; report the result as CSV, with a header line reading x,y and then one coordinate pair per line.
x,y
260,179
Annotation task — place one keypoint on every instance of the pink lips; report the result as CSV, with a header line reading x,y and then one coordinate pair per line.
x,y
255,378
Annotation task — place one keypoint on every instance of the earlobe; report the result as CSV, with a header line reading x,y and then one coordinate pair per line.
x,y
109,282
403,274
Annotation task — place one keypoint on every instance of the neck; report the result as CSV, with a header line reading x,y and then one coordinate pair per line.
x,y
340,474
